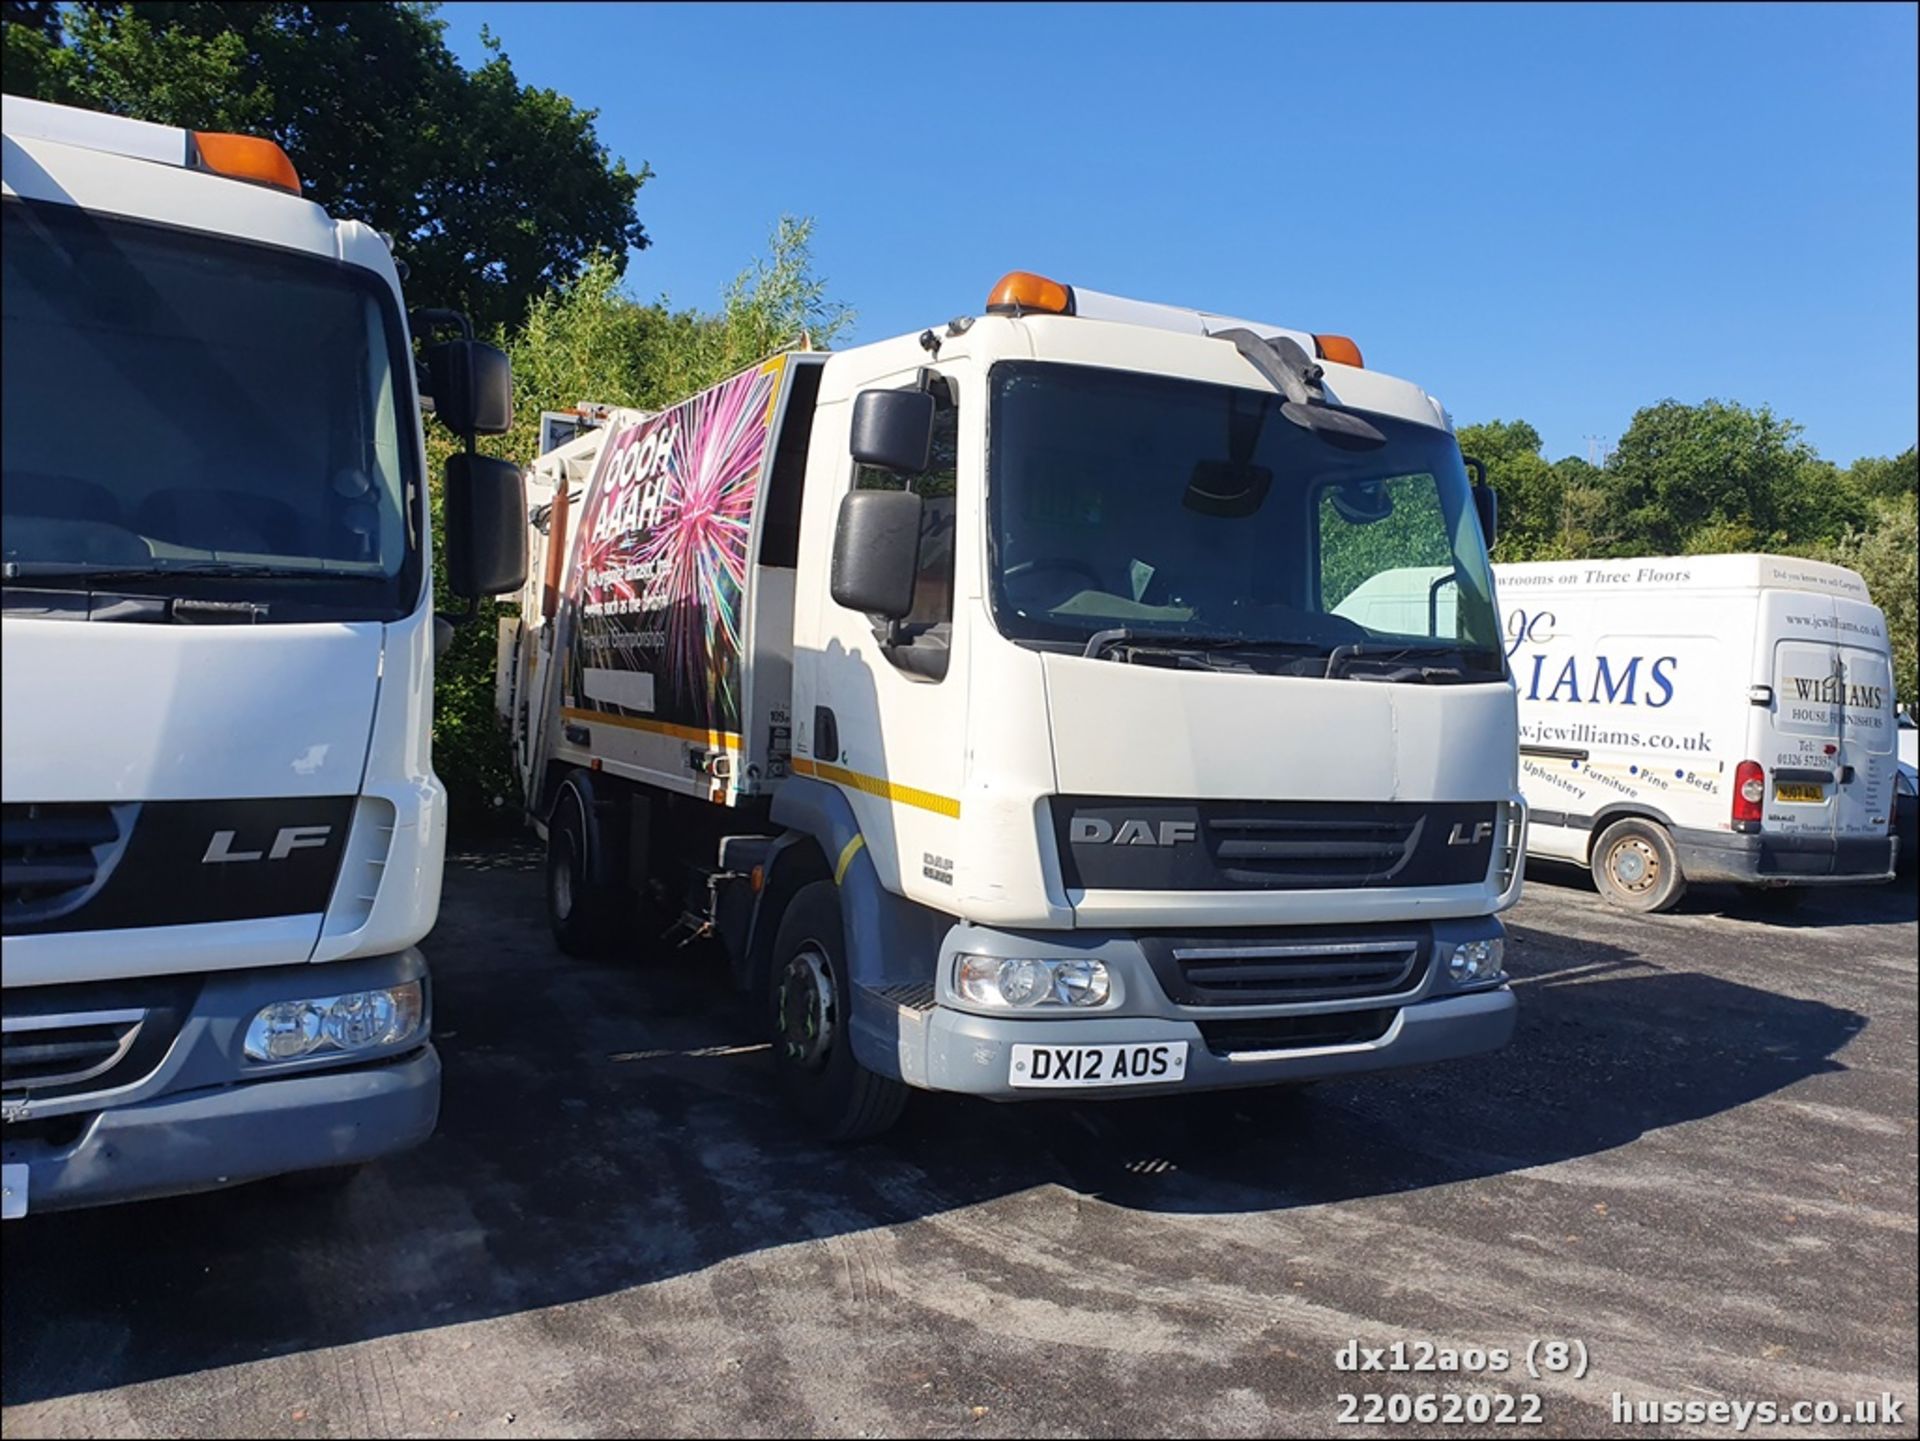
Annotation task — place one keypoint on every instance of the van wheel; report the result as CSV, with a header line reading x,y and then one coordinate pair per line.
x,y
811,1015
1635,867
583,916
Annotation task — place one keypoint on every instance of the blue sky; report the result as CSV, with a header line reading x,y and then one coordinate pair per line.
x,y
1556,214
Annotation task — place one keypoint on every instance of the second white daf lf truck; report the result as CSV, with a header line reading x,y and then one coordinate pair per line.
x,y
222,833
987,692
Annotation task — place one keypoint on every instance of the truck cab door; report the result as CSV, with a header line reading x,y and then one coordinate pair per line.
x,y
887,722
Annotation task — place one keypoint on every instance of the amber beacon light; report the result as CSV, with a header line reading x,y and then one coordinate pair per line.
x,y
246,157
1338,349
1021,292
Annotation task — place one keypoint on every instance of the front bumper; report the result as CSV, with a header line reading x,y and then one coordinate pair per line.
x,y
972,1053
929,1038
1774,856
209,1139
190,1113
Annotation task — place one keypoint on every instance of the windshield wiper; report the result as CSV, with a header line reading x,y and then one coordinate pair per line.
x,y
115,572
1360,650
1102,641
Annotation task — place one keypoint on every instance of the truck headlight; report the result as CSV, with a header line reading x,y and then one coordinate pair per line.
x,y
1472,963
349,1022
1024,982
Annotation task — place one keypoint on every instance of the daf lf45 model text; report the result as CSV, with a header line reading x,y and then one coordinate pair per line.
x,y
991,695
222,831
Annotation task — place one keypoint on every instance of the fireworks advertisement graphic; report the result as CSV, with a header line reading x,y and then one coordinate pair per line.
x,y
661,566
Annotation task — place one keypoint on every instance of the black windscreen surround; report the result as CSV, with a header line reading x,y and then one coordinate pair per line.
x,y
83,866
179,400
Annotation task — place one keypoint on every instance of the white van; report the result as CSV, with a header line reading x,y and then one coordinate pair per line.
x,y
1719,717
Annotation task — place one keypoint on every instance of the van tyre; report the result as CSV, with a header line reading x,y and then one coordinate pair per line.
x,y
809,1010
1636,867
584,916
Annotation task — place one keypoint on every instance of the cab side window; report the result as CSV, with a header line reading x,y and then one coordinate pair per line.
x,y
926,634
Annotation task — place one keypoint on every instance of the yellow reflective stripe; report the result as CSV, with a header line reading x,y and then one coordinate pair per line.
x,y
847,853
773,367
877,786
725,740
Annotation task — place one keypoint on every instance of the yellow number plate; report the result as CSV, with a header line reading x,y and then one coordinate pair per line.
x,y
1783,791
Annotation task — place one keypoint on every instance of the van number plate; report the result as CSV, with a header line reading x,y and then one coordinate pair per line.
x,y
1142,1065
13,1182
1787,791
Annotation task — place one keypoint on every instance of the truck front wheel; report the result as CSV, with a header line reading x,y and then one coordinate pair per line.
x,y
1636,868
583,914
810,1001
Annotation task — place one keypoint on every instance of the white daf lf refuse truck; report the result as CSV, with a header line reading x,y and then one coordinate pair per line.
x,y
222,832
986,692
1703,718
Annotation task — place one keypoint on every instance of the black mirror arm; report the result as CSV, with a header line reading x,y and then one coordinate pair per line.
x,y
424,322
427,320
458,618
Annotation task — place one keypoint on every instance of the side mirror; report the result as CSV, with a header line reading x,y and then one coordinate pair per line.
x,y
472,387
876,551
892,430
486,514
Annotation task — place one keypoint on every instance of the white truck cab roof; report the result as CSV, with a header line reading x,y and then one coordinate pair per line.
x,y
234,185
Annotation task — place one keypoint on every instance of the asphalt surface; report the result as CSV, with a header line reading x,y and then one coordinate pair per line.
x,y
1698,1159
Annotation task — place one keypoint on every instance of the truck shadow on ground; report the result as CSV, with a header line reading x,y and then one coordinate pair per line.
x,y
609,1125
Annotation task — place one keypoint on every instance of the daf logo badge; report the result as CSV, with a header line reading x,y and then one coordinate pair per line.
x,y
1458,835
1094,831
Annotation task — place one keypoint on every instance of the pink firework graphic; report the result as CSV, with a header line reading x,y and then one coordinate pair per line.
x,y
696,551
663,555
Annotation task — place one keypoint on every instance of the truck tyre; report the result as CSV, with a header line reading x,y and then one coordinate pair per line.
x,y
583,916
809,1000
1635,866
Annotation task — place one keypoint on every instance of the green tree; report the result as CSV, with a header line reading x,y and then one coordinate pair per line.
x,y
494,192
1886,552
1723,476
1533,493
1886,478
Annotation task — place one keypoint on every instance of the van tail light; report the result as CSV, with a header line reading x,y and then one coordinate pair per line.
x,y
1749,792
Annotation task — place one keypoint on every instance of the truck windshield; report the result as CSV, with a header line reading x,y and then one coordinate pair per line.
x,y
191,415
1164,517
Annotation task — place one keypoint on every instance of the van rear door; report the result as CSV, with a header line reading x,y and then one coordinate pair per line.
x,y
1827,740
1867,737
1800,733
